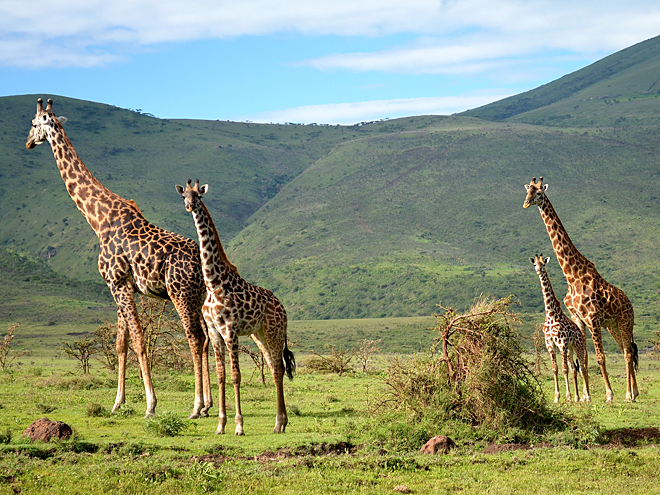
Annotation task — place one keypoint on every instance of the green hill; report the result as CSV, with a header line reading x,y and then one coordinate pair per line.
x,y
621,88
377,220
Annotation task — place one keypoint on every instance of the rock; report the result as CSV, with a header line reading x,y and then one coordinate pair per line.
x,y
438,444
44,429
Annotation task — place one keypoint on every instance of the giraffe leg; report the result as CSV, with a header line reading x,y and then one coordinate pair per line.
x,y
564,369
555,370
196,340
583,360
125,299
122,350
206,378
219,351
232,347
272,349
574,374
622,331
597,339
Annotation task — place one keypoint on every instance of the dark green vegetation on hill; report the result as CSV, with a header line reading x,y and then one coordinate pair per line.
x,y
382,219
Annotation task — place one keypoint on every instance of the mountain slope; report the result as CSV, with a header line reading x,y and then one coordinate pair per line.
x,y
383,219
630,72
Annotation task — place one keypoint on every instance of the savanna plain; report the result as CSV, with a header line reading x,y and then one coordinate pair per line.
x,y
344,434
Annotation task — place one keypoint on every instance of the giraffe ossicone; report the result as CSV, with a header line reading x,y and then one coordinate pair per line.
x,y
592,301
135,257
235,307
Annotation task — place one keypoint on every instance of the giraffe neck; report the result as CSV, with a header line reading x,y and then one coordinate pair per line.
x,y
552,305
92,198
216,266
568,256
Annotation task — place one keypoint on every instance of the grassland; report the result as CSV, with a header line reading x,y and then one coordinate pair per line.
x,y
327,447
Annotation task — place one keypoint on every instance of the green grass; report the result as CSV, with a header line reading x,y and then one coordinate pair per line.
x,y
118,454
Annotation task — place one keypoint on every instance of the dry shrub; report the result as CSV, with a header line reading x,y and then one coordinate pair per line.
x,y
476,373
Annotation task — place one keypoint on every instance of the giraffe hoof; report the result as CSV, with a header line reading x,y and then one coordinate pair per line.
x,y
194,416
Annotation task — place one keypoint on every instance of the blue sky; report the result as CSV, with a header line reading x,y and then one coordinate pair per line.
x,y
337,61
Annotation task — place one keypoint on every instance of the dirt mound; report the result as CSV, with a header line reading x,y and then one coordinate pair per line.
x,y
631,437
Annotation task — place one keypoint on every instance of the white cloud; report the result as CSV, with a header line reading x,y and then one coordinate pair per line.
x,y
96,32
351,113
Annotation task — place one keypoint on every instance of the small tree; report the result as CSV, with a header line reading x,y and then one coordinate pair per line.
x,y
7,354
105,336
258,359
365,350
82,350
163,334
337,362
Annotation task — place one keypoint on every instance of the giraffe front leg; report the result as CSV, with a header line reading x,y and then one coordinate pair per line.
x,y
564,369
232,347
219,350
206,378
555,372
122,351
583,361
125,299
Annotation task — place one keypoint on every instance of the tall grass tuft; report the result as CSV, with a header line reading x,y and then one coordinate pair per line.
x,y
167,424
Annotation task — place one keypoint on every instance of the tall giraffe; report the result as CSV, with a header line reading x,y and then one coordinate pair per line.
x,y
562,334
235,307
135,256
591,300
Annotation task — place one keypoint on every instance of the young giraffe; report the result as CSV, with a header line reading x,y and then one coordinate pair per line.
x,y
562,334
135,256
235,307
591,300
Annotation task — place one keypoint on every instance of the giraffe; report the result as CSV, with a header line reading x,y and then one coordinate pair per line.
x,y
135,256
562,334
235,307
591,300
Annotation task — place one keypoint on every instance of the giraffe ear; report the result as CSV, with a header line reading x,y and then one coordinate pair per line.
x,y
545,187
526,187
179,189
531,260
204,189
62,119
546,261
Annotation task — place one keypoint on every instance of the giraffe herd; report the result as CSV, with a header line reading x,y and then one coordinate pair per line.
x,y
216,304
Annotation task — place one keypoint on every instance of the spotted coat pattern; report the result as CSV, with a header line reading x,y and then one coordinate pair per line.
x,y
591,300
135,256
235,307
563,335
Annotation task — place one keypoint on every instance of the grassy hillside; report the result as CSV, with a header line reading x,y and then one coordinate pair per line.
x,y
378,220
390,225
630,74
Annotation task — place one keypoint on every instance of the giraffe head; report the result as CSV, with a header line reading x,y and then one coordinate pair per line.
x,y
192,195
43,123
535,193
539,263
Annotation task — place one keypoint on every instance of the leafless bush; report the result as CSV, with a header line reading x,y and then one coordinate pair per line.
x,y
337,362
365,351
7,354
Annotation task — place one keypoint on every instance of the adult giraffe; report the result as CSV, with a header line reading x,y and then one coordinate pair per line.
x,y
135,256
592,301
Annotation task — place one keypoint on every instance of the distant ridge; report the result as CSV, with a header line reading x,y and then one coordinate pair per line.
x,y
570,84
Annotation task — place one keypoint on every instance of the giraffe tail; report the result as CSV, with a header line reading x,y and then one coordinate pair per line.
x,y
289,361
577,365
635,356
